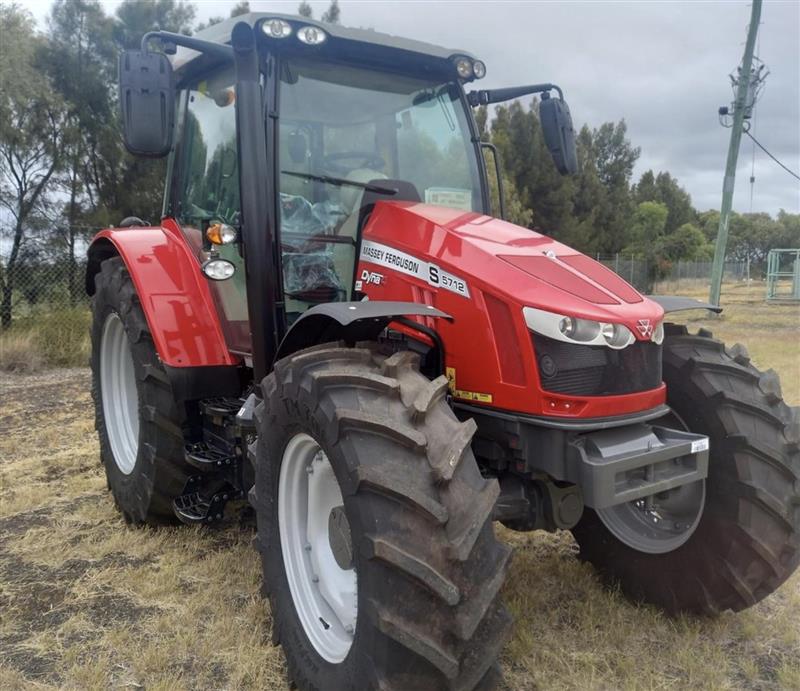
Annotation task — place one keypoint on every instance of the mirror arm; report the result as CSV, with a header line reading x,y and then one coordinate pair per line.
x,y
484,97
500,189
171,40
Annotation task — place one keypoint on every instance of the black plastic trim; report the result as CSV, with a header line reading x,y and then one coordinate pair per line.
x,y
676,303
258,229
576,425
349,321
214,381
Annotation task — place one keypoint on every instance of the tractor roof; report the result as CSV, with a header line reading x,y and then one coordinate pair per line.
x,y
221,33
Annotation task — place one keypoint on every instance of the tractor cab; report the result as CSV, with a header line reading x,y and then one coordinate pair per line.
x,y
350,118
344,138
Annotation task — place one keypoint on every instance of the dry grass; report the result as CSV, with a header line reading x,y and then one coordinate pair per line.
x,y
19,352
87,603
57,338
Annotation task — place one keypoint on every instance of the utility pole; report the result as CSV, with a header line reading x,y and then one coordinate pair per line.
x,y
744,88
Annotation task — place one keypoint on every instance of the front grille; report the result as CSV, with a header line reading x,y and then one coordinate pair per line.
x,y
581,370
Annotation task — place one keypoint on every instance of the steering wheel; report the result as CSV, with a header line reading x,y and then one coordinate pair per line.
x,y
367,159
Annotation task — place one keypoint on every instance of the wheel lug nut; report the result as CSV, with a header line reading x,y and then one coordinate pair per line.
x,y
308,547
315,579
349,629
309,469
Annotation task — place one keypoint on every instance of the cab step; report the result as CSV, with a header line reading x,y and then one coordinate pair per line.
x,y
204,457
221,407
194,507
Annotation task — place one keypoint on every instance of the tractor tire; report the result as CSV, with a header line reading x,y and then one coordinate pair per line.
x,y
138,420
747,541
418,512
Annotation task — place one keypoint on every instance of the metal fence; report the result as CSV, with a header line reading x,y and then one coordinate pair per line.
x,y
42,288
649,276
783,275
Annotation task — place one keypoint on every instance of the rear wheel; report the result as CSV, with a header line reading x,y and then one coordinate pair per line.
x,y
138,421
374,526
729,541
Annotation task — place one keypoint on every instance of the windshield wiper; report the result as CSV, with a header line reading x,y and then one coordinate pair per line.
x,y
341,181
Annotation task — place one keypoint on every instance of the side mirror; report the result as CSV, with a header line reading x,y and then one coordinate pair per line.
x,y
559,135
147,99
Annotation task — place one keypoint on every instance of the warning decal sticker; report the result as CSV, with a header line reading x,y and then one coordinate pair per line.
x,y
450,373
434,275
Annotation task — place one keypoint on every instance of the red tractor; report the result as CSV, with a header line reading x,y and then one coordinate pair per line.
x,y
328,322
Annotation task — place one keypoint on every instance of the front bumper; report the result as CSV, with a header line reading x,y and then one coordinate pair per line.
x,y
612,461
627,463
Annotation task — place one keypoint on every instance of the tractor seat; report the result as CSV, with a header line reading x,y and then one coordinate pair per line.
x,y
360,202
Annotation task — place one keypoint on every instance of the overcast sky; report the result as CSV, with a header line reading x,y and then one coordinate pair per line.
x,y
663,66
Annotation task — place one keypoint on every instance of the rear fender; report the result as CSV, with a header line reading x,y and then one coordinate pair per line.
x,y
173,292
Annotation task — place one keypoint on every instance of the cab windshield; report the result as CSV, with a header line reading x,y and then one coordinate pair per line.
x,y
344,129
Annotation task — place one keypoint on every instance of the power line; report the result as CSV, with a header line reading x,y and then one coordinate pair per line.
x,y
761,146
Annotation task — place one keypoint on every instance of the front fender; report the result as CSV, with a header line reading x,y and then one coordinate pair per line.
x,y
678,303
172,290
349,321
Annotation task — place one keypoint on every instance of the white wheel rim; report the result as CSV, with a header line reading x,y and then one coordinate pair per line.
x,y
325,595
118,391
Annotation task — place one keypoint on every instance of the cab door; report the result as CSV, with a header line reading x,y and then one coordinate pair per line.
x,y
206,190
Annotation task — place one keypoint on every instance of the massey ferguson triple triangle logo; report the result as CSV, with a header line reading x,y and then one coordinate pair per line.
x,y
644,327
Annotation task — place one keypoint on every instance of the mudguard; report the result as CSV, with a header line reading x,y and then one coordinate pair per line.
x,y
173,292
350,321
678,303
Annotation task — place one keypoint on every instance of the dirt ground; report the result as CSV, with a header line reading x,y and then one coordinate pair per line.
x,y
86,602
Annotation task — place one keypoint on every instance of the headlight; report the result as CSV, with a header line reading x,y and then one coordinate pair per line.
x,y
218,269
311,35
277,28
658,334
575,330
617,336
464,68
221,233
582,330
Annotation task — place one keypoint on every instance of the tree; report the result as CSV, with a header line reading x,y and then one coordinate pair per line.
x,y
135,18
133,186
78,56
614,159
686,243
517,134
646,234
331,15
589,196
665,189
32,119
240,8
647,227
211,21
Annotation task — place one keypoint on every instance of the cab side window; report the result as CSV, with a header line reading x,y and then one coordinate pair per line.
x,y
208,191
210,179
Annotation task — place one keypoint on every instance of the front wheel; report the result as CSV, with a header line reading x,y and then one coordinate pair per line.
x,y
731,540
374,526
138,420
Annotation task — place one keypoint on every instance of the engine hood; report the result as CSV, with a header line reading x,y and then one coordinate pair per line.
x,y
506,260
